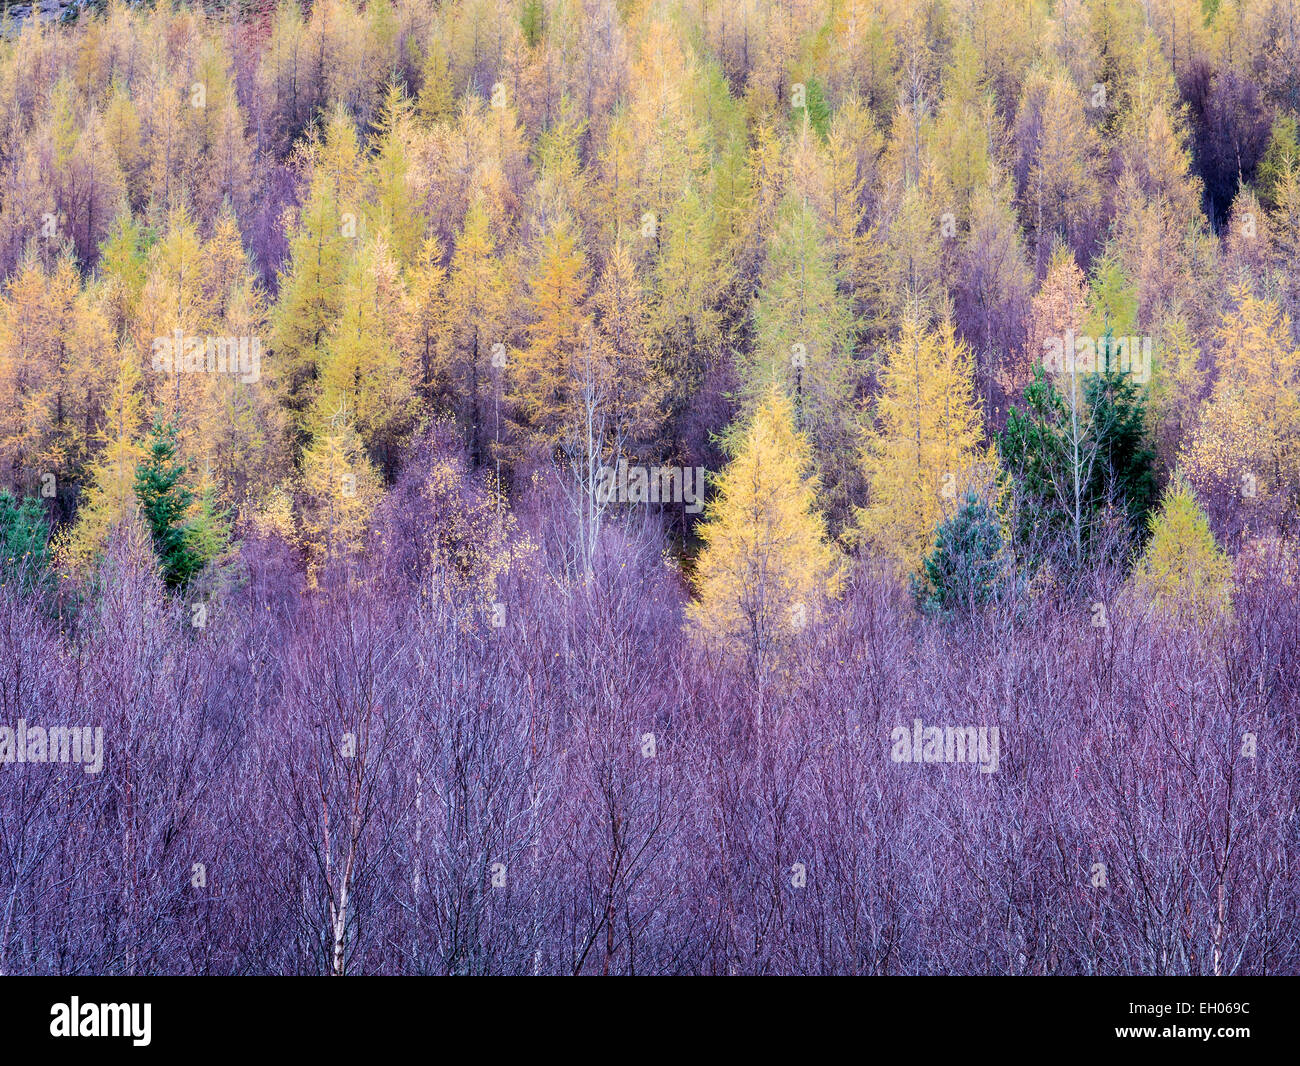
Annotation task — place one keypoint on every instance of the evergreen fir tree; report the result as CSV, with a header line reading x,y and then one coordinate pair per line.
x,y
1067,469
1126,460
24,541
966,566
165,503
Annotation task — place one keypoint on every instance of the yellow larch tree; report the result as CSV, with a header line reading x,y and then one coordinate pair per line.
x,y
476,322
543,373
631,391
1176,384
1061,196
852,149
207,292
1182,570
241,438
924,451
108,498
123,271
1284,225
1248,435
1057,308
766,568
336,493
426,282
175,300
802,326
961,129
53,379
437,100
122,132
322,242
392,204
363,366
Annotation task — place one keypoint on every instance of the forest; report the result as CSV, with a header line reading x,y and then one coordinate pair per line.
x,y
662,487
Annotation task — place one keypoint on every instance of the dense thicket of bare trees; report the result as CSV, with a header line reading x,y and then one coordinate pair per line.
x,y
373,777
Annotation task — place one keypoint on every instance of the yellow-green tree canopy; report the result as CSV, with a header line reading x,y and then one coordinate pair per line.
x,y
110,490
766,566
924,451
1183,570
1249,428
337,491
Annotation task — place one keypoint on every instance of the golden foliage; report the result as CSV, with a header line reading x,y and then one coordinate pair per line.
x,y
766,568
1182,570
924,451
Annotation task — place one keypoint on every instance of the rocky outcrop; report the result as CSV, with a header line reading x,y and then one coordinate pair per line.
x,y
43,10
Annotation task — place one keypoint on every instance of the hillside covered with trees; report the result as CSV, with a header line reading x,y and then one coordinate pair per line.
x,y
560,486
